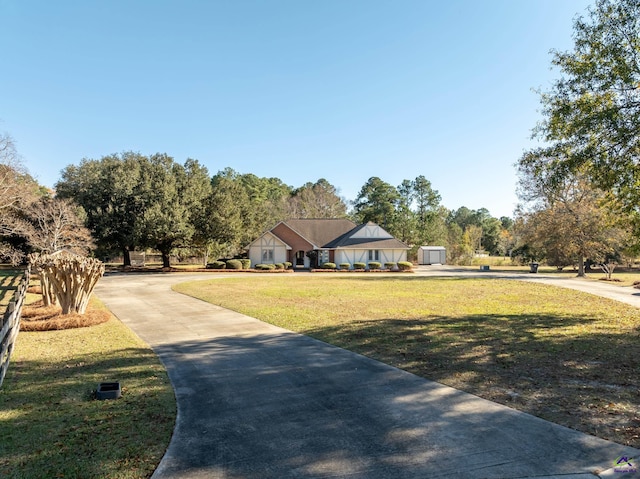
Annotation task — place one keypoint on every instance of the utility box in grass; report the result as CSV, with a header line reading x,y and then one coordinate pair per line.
x,y
432,255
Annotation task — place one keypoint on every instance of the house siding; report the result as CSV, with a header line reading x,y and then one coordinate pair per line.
x,y
362,256
268,242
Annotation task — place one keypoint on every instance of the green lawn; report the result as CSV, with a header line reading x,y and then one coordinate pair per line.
x,y
51,425
567,356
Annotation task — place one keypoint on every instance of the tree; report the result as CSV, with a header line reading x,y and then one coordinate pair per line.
x,y
317,200
570,221
12,173
221,228
376,202
429,217
592,112
110,192
171,195
71,277
406,221
54,224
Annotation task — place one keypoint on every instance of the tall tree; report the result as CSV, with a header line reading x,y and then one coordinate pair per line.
x,y
109,190
405,227
172,194
376,202
55,224
592,111
317,200
570,221
429,217
222,228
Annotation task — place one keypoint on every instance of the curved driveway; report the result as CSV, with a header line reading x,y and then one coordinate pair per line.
x,y
257,401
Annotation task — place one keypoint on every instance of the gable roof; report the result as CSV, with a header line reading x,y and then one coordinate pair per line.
x,y
320,231
355,239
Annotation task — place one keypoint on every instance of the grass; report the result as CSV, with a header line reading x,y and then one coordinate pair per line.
x,y
563,355
51,425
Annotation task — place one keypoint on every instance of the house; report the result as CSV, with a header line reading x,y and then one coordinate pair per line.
x,y
309,243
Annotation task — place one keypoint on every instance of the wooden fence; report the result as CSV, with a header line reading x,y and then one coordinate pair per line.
x,y
11,325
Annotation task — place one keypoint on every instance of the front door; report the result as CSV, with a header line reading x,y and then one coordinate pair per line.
x,y
300,259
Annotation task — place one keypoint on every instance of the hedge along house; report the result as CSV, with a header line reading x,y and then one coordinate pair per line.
x,y
309,243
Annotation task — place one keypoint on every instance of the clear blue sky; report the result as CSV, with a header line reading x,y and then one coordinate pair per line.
x,y
299,90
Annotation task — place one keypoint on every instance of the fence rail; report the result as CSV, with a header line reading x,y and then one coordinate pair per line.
x,y
11,324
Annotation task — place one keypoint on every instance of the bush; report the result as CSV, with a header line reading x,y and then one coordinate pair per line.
x,y
246,263
359,266
287,265
217,265
234,264
374,265
265,267
328,266
390,265
345,265
405,265
279,265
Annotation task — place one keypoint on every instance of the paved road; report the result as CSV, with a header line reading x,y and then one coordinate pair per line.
x,y
257,401
628,294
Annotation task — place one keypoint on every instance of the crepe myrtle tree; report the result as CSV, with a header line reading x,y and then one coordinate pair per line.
x,y
70,278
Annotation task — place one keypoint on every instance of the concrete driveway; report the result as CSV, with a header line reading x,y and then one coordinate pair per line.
x,y
257,401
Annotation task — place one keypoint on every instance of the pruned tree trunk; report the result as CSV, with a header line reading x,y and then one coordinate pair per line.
x,y
48,294
71,277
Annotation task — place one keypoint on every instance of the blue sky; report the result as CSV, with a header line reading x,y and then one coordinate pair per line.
x,y
299,90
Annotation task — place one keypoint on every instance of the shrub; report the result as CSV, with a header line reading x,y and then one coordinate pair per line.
x,y
217,265
328,266
279,266
265,267
345,265
287,265
390,265
405,265
234,264
246,263
374,265
359,266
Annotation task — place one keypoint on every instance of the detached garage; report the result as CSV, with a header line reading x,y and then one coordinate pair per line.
x,y
432,255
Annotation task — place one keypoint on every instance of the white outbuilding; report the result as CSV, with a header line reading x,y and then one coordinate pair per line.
x,y
432,255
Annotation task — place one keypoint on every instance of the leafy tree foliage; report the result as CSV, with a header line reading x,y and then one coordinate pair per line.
x,y
136,201
592,111
569,222
377,202
111,194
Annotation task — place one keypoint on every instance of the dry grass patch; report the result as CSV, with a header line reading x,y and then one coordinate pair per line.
x,y
566,356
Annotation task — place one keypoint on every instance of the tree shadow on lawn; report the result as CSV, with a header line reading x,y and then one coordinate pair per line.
x,y
51,425
587,381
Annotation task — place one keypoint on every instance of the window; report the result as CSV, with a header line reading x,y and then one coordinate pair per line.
x,y
374,255
323,256
267,256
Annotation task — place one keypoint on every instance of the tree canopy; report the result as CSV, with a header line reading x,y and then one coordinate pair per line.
x,y
591,114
